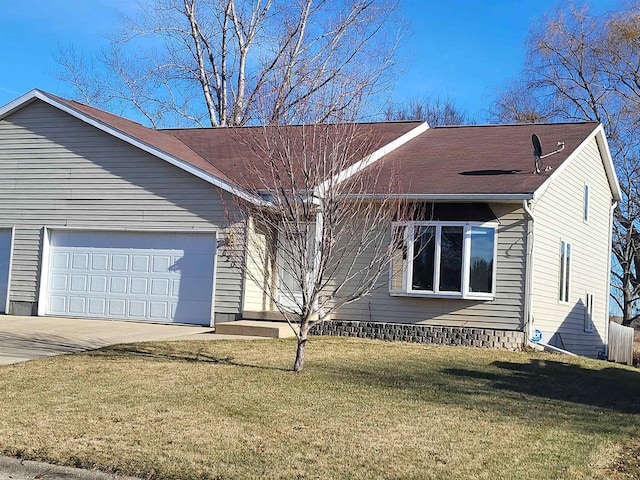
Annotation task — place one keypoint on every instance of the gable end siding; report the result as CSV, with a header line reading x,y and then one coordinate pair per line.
x,y
559,214
58,171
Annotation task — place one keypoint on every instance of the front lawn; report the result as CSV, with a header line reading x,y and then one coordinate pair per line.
x,y
360,409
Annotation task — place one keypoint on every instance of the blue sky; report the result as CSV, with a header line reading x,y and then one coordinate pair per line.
x,y
458,49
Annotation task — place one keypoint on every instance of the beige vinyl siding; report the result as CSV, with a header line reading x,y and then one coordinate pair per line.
x,y
504,312
560,216
58,171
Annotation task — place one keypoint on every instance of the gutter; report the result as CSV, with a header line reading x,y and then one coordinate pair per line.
x,y
451,197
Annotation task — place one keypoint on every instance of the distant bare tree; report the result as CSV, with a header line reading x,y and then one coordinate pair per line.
x,y
518,104
582,67
233,62
319,241
436,112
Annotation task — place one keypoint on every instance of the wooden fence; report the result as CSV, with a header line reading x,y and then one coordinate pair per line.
x,y
620,343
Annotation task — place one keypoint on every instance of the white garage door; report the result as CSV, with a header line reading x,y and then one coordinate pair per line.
x,y
156,277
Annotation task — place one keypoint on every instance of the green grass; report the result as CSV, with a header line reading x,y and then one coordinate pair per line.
x,y
360,409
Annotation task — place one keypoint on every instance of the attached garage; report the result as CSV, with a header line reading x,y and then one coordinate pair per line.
x,y
139,276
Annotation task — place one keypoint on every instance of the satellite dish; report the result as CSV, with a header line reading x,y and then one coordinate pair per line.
x,y
537,146
537,153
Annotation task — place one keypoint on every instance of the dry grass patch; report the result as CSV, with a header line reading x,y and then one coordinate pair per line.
x,y
361,409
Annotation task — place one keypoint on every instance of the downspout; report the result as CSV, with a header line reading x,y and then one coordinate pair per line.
x,y
528,326
614,205
551,348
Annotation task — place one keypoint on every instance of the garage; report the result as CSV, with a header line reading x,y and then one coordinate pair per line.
x,y
138,276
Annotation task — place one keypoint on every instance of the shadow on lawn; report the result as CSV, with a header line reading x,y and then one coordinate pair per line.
x,y
541,392
25,346
170,354
611,388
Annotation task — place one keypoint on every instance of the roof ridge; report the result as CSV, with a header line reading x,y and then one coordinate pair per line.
x,y
489,125
231,127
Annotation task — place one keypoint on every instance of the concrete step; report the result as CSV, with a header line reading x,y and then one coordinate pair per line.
x,y
269,315
272,315
255,328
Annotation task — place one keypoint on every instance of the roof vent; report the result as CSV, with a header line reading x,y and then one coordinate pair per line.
x,y
538,156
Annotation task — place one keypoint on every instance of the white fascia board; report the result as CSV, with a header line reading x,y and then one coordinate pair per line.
x,y
454,197
207,177
598,134
18,103
372,157
609,166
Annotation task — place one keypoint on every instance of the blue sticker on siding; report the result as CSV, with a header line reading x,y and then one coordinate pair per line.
x,y
537,336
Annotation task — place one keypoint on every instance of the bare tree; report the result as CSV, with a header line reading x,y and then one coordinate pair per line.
x,y
516,103
233,62
436,112
319,241
585,67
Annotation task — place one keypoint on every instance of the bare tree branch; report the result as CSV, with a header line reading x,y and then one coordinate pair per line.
x,y
320,243
436,112
585,67
232,62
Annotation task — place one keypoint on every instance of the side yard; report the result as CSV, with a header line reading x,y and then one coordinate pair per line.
x,y
361,409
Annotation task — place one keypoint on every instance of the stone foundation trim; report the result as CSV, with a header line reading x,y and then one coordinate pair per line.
x,y
454,336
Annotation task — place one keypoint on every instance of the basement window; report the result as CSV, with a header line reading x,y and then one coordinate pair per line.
x,y
444,260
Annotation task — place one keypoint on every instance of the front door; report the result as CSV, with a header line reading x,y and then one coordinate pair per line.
x,y
292,267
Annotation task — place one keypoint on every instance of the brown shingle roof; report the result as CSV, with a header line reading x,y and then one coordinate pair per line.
x,y
464,160
223,152
229,149
492,159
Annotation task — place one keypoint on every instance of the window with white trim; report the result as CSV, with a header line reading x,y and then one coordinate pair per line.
x,y
588,312
565,270
585,215
444,259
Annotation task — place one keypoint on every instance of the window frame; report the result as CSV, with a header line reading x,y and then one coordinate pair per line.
x,y
586,203
408,257
588,313
565,271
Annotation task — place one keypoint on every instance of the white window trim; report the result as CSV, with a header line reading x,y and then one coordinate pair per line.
x,y
586,203
407,268
565,280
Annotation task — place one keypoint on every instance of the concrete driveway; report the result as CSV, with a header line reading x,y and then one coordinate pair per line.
x,y
26,338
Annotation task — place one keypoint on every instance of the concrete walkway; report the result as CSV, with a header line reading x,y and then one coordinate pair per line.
x,y
27,338
14,469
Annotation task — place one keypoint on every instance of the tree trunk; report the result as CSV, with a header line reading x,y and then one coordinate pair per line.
x,y
298,365
627,313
